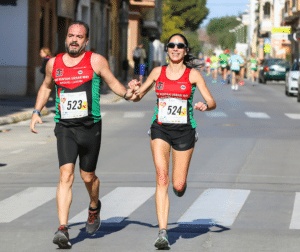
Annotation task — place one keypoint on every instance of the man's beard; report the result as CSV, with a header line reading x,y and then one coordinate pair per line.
x,y
74,53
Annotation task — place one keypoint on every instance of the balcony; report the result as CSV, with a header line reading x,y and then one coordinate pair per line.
x,y
143,3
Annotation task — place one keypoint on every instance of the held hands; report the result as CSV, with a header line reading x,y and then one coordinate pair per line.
x,y
201,106
35,119
134,88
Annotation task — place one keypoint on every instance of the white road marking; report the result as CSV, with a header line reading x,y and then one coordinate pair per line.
x,y
25,201
215,206
119,204
16,151
259,115
295,221
216,114
134,114
293,116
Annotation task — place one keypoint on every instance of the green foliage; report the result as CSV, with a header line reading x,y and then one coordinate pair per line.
x,y
194,43
182,15
220,27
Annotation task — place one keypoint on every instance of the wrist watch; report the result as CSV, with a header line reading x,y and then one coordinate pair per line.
x,y
36,111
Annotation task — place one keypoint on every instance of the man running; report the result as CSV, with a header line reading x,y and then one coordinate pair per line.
x,y
223,58
77,75
235,63
214,67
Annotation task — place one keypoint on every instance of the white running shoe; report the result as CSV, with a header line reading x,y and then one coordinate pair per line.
x,y
236,87
232,87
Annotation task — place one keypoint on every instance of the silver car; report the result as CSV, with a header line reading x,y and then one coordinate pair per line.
x,y
291,80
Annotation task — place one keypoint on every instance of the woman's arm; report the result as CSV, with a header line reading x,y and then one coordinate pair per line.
x,y
196,78
148,84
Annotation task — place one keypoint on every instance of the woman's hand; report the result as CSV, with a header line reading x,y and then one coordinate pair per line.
x,y
201,106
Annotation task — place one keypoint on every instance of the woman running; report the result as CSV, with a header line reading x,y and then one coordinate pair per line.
x,y
173,125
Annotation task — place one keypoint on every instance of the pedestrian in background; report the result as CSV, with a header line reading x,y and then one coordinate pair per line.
x,y
45,54
214,67
254,67
139,57
223,58
243,68
235,63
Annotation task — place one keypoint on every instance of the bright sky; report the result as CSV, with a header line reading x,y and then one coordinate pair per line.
x,y
220,8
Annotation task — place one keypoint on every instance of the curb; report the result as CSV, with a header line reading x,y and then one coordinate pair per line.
x,y
22,116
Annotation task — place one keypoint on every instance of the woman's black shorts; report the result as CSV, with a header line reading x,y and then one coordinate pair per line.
x,y
180,140
82,141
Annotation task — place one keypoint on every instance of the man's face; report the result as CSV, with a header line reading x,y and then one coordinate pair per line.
x,y
76,40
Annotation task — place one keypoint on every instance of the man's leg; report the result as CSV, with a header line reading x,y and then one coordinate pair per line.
x,y
64,192
92,185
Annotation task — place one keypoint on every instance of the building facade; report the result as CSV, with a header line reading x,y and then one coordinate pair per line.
x,y
116,26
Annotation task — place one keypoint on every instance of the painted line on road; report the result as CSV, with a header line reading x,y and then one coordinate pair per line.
x,y
215,206
295,220
259,115
134,115
293,116
216,114
16,151
25,201
119,204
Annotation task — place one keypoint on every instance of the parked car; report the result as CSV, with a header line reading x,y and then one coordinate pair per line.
x,y
272,69
291,80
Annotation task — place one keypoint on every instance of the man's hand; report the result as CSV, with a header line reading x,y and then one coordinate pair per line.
x,y
35,119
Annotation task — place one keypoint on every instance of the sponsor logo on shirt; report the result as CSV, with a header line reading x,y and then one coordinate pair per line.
x,y
183,87
80,72
59,72
160,86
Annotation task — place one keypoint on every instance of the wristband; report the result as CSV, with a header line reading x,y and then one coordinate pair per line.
x,y
206,104
36,112
125,96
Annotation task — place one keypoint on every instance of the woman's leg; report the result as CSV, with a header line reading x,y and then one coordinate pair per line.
x,y
181,162
161,157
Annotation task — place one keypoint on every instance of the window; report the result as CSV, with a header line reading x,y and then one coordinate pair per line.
x,y
267,10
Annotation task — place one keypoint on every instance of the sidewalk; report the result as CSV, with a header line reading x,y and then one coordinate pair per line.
x,y
14,109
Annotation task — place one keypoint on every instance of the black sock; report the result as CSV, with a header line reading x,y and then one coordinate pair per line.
x,y
95,208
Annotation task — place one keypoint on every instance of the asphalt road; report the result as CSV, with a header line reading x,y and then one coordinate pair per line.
x,y
243,184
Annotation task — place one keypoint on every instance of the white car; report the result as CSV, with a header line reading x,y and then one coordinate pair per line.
x,y
291,80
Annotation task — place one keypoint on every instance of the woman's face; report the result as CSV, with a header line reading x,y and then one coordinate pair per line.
x,y
177,53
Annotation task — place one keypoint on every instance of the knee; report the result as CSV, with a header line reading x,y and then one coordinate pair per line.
x,y
66,177
179,186
88,178
162,180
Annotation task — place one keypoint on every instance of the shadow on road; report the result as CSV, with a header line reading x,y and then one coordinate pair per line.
x,y
185,231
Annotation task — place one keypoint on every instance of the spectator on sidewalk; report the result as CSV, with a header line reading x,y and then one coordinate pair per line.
x,y
45,54
139,56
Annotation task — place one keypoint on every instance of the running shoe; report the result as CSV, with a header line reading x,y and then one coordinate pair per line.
x,y
93,223
240,83
180,193
232,87
243,83
162,240
236,87
61,238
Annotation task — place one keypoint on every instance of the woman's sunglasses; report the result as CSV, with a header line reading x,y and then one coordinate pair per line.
x,y
179,45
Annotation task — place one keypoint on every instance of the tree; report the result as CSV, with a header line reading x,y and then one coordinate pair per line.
x,y
182,15
219,28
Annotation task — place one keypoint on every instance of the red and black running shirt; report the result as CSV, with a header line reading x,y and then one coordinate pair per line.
x,y
77,92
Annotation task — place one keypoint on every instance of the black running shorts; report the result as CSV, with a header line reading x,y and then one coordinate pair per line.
x,y
82,141
180,140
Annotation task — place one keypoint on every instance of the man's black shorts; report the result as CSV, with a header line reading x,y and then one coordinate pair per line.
x,y
82,141
180,140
